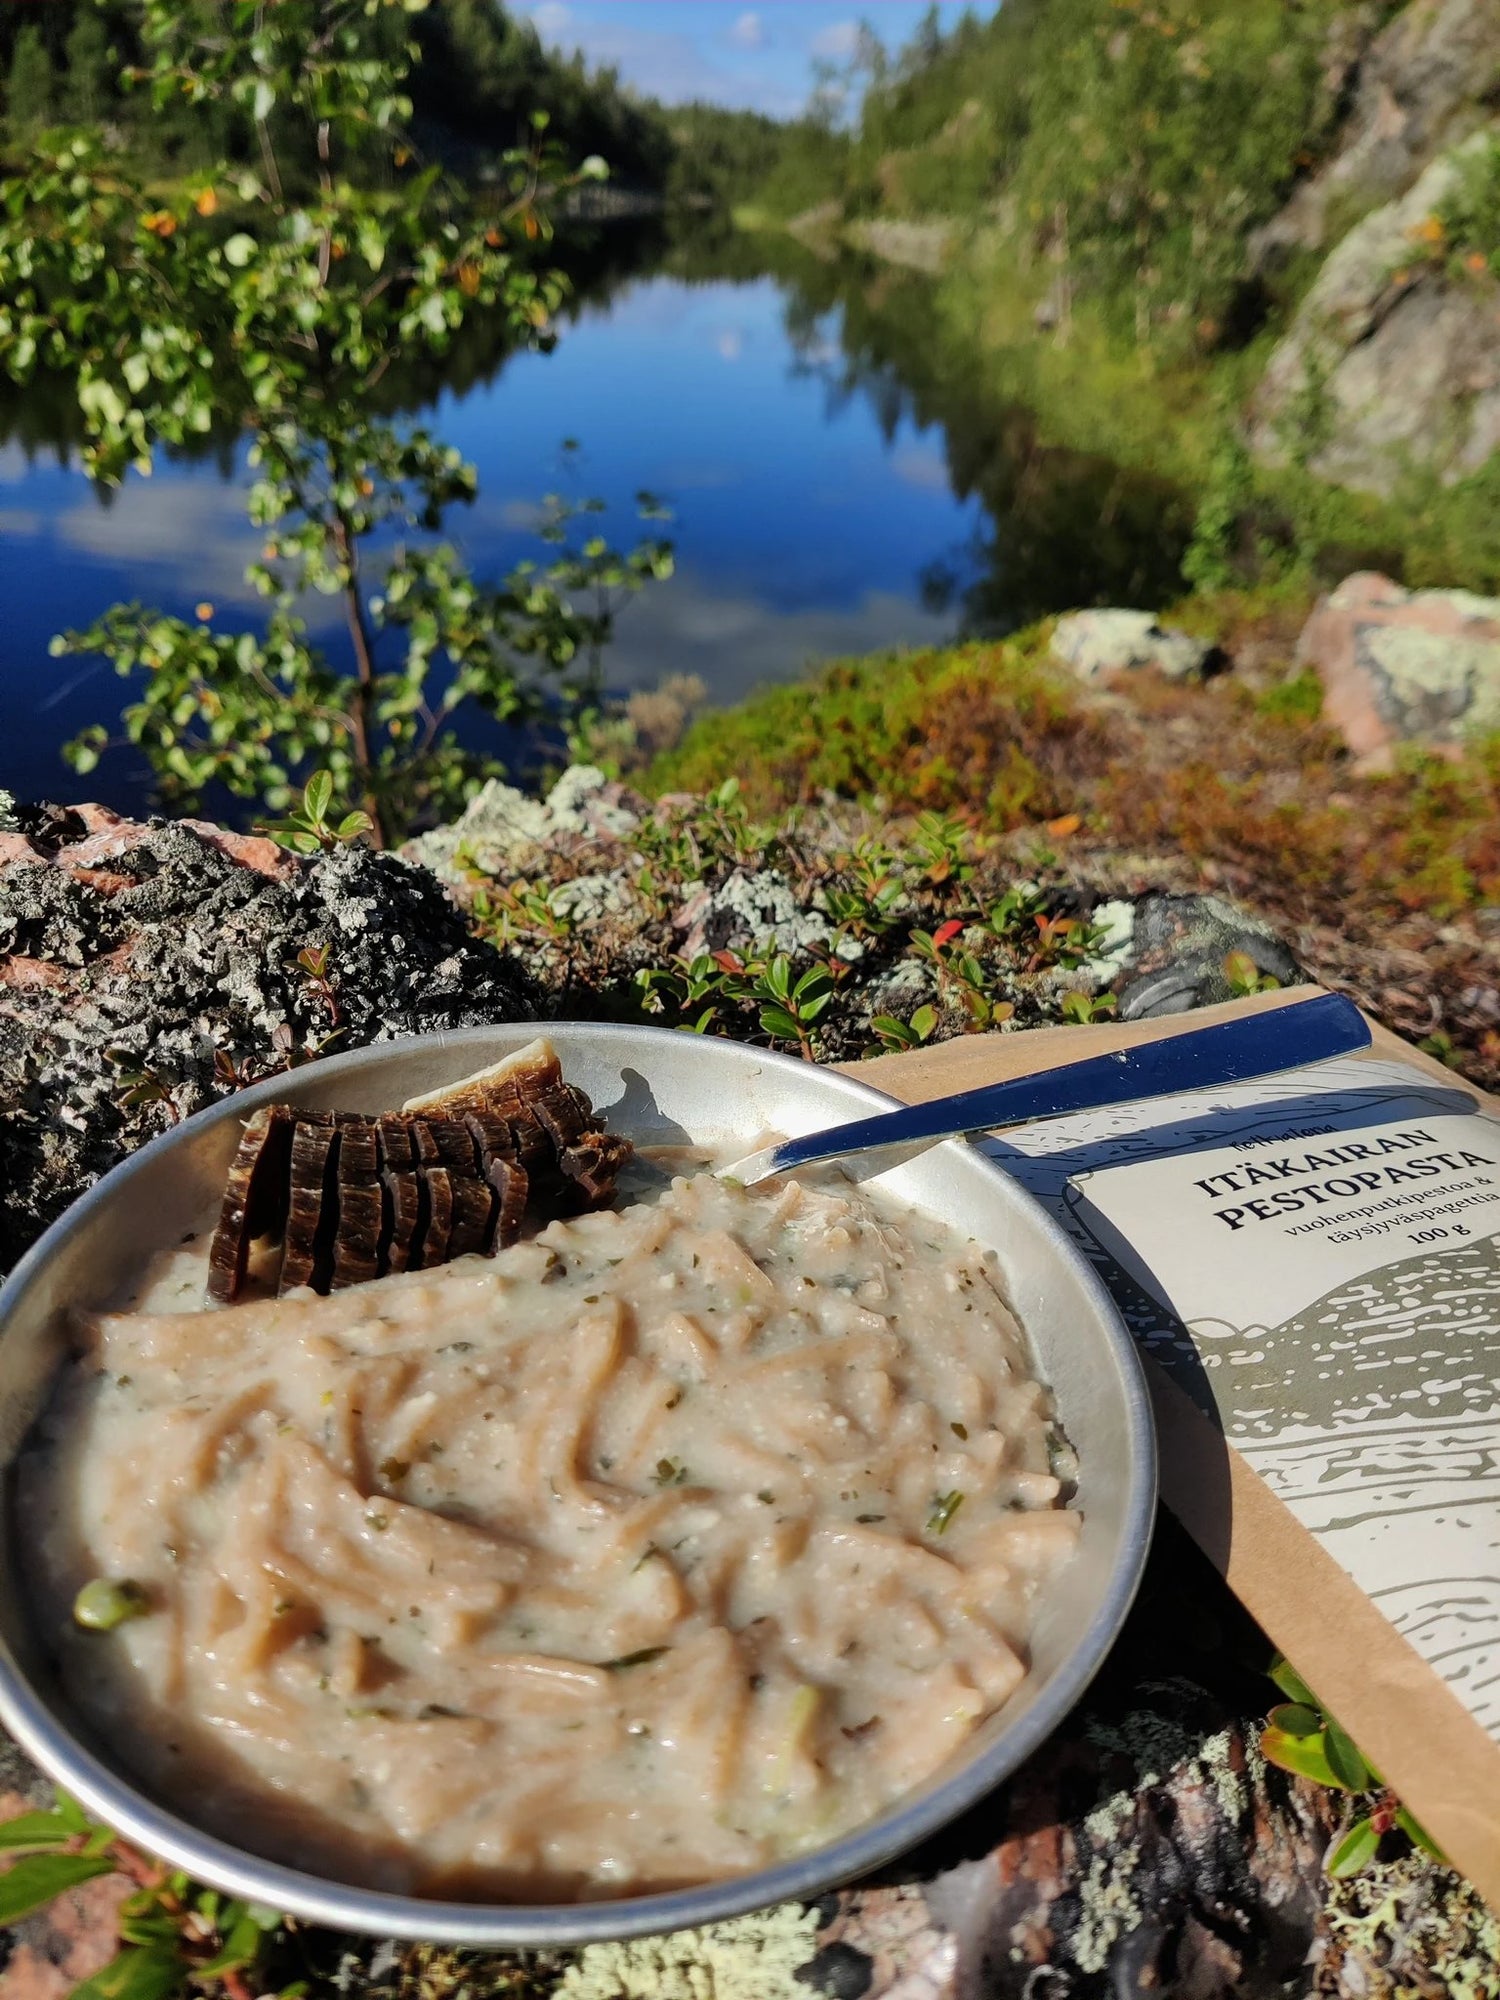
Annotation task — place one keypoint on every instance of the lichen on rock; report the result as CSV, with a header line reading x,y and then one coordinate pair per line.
x,y
1391,363
163,957
755,1957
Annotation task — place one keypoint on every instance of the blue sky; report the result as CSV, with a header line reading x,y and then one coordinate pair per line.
x,y
757,54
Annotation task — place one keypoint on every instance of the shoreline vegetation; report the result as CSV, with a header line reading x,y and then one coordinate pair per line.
x,y
1085,235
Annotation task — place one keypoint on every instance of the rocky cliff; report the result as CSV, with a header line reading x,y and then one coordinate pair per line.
x,y
1391,363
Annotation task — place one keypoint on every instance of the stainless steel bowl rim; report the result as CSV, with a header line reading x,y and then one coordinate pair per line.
x,y
495,1925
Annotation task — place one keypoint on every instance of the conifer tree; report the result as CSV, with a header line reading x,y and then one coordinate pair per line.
x,y
89,66
28,89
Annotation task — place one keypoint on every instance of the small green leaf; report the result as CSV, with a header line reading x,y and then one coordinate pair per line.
x,y
141,1972
1290,1681
1355,1851
34,1832
1346,1759
1303,1756
779,978
1296,1719
239,249
1417,1834
241,1943
890,1029
317,795
776,1021
37,1878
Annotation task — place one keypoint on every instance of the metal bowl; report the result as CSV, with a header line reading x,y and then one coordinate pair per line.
x,y
655,1086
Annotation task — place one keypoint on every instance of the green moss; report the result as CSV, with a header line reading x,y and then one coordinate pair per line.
x,y
1218,773
950,725
1299,698
1470,217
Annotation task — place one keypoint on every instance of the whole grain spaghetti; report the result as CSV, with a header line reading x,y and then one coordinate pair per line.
x,y
665,1544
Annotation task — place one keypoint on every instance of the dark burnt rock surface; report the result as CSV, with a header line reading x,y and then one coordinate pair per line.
x,y
1178,949
168,951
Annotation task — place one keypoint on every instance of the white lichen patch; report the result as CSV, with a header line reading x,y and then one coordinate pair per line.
x,y
580,802
1234,1789
1155,1744
1115,923
591,899
755,1957
1108,1910
1422,1925
1164,1755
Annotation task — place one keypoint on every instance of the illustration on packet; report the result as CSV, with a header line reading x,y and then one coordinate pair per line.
x,y
1317,1264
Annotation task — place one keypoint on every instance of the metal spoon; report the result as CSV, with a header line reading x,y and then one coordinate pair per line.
x,y
1229,1052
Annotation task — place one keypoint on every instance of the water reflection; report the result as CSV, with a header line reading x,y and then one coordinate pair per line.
x,y
842,481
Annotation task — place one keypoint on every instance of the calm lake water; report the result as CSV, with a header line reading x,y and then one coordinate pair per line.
x,y
835,492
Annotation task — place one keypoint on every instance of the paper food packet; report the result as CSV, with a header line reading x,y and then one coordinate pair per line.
x,y
1312,1263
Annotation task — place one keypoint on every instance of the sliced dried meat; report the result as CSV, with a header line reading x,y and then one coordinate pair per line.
x,y
473,1197
536,1063
565,1113
405,1219
257,1196
360,1221
438,1183
594,1165
453,1174
499,1150
312,1215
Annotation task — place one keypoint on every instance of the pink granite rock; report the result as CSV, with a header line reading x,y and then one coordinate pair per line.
x,y
67,1940
1404,666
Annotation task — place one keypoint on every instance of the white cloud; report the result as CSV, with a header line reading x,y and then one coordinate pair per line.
x,y
730,344
837,42
749,32
697,475
181,533
922,466
519,516
736,642
672,65
551,18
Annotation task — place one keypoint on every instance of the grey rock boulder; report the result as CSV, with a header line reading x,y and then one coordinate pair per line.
x,y
1104,645
506,831
1178,949
751,910
172,949
1418,88
1404,666
1399,363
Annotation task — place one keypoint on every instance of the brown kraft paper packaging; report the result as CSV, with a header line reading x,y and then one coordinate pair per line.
x,y
1311,1267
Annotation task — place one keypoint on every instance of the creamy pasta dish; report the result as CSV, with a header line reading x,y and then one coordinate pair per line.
x,y
668,1543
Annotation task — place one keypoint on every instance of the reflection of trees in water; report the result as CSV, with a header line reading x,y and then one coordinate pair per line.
x,y
44,418
1062,527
